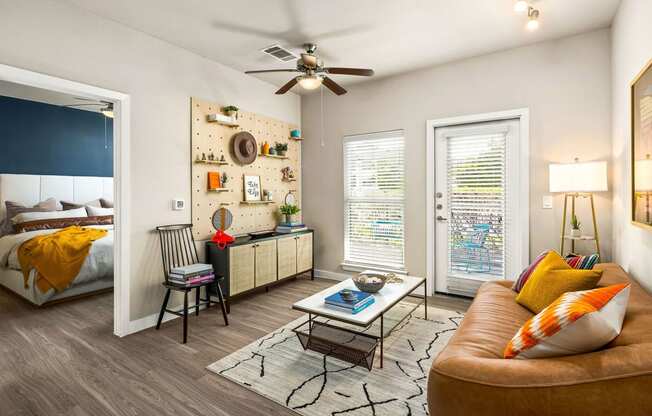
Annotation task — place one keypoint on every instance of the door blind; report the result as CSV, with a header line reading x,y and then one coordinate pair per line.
x,y
476,168
374,198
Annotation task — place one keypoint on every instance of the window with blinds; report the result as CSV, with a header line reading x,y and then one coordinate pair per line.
x,y
374,198
476,168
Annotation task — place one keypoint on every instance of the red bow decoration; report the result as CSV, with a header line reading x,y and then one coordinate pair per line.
x,y
222,239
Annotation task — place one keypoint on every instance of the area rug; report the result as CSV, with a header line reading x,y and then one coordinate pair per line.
x,y
309,383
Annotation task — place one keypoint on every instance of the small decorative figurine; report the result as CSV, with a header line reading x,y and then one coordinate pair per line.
x,y
267,195
211,157
203,156
225,178
222,158
198,158
264,148
288,174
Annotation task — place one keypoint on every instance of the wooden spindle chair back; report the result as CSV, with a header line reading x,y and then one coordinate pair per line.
x,y
177,246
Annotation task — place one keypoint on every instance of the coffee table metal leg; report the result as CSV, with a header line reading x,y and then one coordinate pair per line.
x,y
382,336
425,299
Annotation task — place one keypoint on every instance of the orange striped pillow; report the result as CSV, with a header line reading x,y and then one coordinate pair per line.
x,y
558,330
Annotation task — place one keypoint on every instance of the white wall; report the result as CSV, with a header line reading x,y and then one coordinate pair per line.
x,y
61,40
632,50
565,83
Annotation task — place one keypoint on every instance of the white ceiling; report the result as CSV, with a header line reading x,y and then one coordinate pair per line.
x,y
389,36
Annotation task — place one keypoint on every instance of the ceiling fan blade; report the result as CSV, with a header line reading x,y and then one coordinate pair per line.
x,y
83,105
350,71
333,86
270,70
285,88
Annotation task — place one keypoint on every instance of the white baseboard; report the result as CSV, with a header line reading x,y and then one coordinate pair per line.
x,y
327,274
150,321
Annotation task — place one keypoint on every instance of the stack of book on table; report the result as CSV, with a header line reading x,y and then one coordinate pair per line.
x,y
355,302
286,228
191,274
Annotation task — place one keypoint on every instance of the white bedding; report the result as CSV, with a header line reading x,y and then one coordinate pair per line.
x,y
98,265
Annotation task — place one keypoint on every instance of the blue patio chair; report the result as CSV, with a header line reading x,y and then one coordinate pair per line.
x,y
476,250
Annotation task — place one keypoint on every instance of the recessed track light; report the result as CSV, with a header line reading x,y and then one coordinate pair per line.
x,y
523,6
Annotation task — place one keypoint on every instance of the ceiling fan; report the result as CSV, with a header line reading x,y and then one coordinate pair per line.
x,y
106,110
314,73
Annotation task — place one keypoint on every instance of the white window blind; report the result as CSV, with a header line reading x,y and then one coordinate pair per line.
x,y
476,166
374,198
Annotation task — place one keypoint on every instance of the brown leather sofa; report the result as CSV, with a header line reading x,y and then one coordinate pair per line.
x,y
470,377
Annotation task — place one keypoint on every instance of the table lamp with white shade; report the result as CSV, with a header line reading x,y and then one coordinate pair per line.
x,y
578,180
643,184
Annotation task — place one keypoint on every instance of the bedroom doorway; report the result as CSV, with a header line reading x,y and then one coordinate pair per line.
x,y
103,197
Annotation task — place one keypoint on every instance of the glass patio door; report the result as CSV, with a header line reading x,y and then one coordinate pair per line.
x,y
473,197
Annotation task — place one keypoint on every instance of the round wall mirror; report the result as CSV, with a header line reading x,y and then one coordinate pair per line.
x,y
222,219
290,199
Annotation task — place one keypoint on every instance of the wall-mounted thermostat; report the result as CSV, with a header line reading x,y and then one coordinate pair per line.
x,y
178,204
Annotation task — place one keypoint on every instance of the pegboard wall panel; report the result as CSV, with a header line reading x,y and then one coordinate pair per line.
x,y
211,137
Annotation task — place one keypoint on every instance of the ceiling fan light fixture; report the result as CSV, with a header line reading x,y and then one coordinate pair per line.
x,y
521,6
309,82
107,111
533,19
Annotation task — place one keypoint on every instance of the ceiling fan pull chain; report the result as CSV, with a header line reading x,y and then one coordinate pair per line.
x,y
321,91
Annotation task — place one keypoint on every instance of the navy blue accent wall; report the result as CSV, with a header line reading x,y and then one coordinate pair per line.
x,y
44,139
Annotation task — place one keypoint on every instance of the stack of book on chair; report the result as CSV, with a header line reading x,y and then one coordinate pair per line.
x,y
290,227
191,274
352,301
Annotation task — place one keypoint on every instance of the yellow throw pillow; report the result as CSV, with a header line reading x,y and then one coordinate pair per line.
x,y
551,279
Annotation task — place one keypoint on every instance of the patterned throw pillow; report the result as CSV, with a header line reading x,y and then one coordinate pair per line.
x,y
582,262
558,329
575,261
14,208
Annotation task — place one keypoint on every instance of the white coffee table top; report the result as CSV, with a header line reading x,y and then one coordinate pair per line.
x,y
385,299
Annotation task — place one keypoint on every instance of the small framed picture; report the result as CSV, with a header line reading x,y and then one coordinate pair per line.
x,y
252,188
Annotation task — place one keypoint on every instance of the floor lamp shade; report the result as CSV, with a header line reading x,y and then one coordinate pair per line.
x,y
578,177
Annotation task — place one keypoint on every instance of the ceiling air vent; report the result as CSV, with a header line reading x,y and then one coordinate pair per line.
x,y
280,53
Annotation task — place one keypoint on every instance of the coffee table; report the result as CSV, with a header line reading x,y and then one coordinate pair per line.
x,y
323,337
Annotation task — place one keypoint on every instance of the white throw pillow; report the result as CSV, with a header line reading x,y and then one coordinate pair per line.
x,y
34,216
577,322
97,212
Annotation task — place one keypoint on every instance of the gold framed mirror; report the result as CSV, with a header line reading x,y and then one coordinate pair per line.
x,y
641,93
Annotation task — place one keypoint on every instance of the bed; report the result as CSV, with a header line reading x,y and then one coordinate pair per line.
x,y
96,273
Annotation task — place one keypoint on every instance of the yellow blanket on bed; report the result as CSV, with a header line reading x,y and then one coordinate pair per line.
x,y
57,257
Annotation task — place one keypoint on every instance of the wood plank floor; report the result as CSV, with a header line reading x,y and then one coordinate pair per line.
x,y
64,360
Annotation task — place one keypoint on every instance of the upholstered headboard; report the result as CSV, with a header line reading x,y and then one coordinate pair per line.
x,y
30,189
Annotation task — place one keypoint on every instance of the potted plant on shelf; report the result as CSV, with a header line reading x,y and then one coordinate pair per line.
x,y
281,148
231,111
575,227
289,211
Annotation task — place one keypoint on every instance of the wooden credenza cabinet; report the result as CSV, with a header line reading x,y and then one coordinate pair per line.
x,y
248,264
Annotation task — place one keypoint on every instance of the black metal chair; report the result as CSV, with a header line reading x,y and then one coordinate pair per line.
x,y
178,249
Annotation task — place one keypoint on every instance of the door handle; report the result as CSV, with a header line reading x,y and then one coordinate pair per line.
x,y
440,218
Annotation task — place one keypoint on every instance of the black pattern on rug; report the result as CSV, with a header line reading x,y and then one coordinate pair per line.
x,y
309,383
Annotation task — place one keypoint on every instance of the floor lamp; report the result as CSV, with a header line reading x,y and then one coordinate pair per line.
x,y
578,180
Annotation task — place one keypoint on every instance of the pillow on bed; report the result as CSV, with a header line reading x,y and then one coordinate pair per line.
x,y
106,203
14,208
94,211
33,216
55,223
72,205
